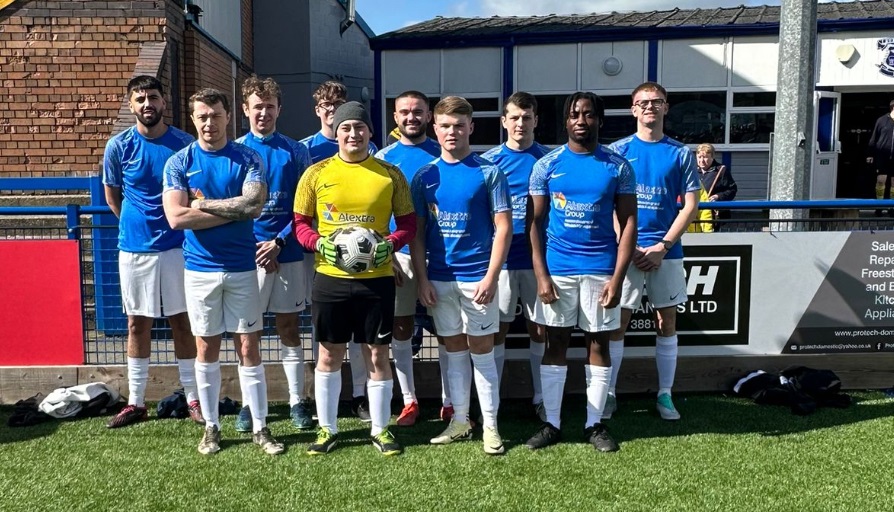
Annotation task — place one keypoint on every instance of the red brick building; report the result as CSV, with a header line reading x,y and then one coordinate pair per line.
x,y
64,66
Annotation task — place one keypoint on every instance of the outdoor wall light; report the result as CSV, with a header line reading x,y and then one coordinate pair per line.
x,y
612,66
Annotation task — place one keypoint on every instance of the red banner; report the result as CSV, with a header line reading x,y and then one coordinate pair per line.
x,y
40,303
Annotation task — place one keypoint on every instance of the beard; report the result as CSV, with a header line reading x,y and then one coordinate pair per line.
x,y
150,122
406,131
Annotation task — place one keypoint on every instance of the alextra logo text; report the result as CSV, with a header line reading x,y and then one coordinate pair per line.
x,y
332,214
573,208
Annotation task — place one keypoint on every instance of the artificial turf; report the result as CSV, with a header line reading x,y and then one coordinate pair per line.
x,y
725,454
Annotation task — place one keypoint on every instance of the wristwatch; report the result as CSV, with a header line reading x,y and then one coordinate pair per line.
x,y
280,242
668,245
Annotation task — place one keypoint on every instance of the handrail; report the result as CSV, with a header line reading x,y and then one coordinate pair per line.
x,y
51,183
54,210
841,204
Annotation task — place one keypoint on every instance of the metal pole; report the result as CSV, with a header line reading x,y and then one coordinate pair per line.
x,y
793,139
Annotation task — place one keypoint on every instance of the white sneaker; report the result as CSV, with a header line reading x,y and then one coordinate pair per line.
x,y
454,432
493,443
611,406
210,441
666,408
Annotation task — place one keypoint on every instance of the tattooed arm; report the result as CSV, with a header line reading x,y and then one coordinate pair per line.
x,y
244,207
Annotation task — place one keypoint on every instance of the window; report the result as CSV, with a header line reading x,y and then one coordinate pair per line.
x,y
486,115
616,127
752,117
487,131
751,128
550,129
754,99
696,117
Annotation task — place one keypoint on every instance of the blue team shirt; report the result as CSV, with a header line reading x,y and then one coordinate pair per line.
x,y
322,147
219,174
409,159
665,171
285,160
517,165
136,164
458,200
581,189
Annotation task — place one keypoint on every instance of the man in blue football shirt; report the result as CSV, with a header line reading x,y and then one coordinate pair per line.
x,y
464,218
150,257
279,256
516,158
576,192
665,173
413,150
214,189
328,96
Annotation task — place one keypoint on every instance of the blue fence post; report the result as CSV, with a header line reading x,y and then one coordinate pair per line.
x,y
72,221
110,316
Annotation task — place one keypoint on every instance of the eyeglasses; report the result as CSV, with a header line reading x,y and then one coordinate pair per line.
x,y
325,105
644,104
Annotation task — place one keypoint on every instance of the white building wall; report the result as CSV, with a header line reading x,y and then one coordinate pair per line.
x,y
632,55
861,70
412,69
472,71
755,61
694,63
546,68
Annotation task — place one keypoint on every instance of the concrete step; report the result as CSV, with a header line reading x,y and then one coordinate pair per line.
x,y
44,199
35,226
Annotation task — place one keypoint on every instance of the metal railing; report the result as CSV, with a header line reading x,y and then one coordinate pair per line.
x,y
105,325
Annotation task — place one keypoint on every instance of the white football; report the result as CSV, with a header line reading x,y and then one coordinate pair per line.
x,y
356,247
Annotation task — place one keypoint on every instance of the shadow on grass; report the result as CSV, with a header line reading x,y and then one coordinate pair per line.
x,y
722,414
637,419
10,435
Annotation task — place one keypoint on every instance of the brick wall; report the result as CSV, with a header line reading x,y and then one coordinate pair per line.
x,y
63,66
207,66
247,36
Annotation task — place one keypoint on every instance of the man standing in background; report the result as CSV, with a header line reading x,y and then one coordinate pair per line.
x,y
409,153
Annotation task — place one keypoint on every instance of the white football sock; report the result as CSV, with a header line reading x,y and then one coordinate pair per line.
x,y
137,377
666,361
187,369
293,366
459,377
444,364
553,379
245,398
327,390
359,373
536,356
208,383
402,350
616,351
487,382
253,382
379,392
597,392
500,361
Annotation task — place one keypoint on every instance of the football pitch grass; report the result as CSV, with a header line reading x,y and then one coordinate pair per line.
x,y
725,454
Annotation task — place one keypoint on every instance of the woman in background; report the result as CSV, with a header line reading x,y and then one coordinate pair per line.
x,y
716,178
